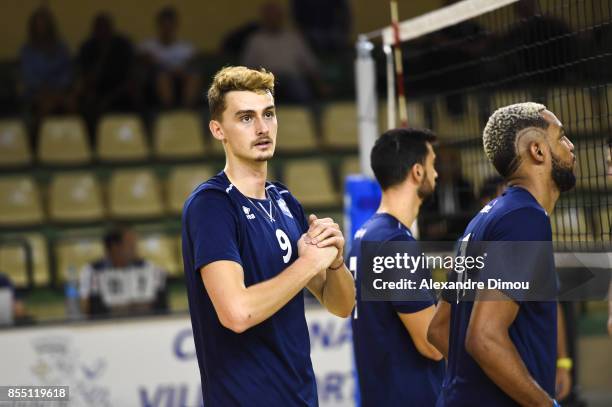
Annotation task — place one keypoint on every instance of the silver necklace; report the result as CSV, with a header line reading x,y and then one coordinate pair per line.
x,y
268,212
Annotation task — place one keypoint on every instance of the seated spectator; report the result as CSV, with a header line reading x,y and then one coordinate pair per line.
x,y
286,54
447,214
175,82
122,283
232,45
105,71
12,309
46,68
328,31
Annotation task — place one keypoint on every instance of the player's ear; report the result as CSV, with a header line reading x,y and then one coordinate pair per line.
x,y
216,130
537,151
417,172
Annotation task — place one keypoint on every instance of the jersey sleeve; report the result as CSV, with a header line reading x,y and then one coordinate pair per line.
x,y
410,307
213,229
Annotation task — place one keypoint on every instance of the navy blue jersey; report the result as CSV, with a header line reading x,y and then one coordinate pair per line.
x,y
391,370
268,364
515,216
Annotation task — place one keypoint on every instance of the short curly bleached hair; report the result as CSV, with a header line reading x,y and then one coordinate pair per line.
x,y
499,135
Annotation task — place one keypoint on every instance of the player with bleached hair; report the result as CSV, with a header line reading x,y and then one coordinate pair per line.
x,y
502,351
249,251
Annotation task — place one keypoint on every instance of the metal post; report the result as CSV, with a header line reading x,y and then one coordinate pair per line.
x,y
391,105
367,103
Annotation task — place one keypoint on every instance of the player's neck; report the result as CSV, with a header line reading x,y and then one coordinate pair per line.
x,y
249,179
545,192
401,203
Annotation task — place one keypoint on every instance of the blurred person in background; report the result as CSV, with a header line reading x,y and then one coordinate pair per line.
x,y
284,52
46,69
492,187
232,44
105,62
396,364
173,80
12,308
326,24
448,213
122,283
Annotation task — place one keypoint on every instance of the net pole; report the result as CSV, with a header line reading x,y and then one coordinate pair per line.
x,y
391,105
367,109
399,70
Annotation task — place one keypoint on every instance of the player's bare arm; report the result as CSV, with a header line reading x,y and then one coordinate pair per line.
x,y
416,324
439,328
334,286
239,307
489,343
563,378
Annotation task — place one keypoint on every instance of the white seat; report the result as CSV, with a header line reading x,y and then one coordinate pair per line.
x,y
14,145
297,131
311,183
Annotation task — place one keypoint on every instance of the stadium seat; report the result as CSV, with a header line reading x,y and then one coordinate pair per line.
x,y
20,202
161,251
569,224
311,183
121,137
14,144
296,130
75,197
76,252
178,135
508,97
349,166
340,125
591,166
574,108
464,124
134,194
476,167
605,110
63,140
603,223
416,116
13,259
181,181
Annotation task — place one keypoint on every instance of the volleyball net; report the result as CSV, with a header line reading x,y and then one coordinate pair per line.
x,y
462,62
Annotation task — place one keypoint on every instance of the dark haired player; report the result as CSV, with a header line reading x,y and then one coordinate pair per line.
x,y
396,364
249,251
503,353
